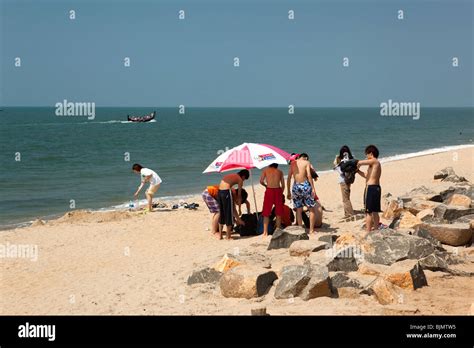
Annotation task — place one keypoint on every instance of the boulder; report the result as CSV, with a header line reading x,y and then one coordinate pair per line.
x,y
408,220
388,246
421,193
383,291
306,247
393,209
424,233
343,259
305,281
227,262
451,212
425,215
459,200
283,238
455,234
329,239
293,280
351,280
347,239
417,205
406,274
466,218
206,275
372,269
246,281
444,173
433,262
460,189
319,285
455,178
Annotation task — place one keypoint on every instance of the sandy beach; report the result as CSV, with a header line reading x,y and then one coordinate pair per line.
x,y
129,263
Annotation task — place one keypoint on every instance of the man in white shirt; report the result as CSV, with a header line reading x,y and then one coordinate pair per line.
x,y
147,175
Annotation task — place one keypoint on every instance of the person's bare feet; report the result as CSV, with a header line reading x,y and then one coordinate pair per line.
x,y
264,235
216,235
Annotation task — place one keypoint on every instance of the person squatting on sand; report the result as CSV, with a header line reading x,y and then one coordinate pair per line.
x,y
272,178
147,175
302,192
344,155
373,191
227,203
209,195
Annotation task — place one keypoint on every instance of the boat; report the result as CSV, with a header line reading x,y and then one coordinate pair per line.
x,y
145,118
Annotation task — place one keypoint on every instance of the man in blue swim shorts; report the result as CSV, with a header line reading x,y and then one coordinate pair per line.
x,y
302,192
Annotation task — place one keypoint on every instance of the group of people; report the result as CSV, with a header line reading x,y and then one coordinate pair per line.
x,y
224,201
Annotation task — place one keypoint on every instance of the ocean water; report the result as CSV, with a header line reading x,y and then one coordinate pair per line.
x,y
73,158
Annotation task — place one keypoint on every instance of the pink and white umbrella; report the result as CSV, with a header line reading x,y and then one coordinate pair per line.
x,y
248,156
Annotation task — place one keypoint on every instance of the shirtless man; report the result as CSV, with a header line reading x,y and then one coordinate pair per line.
x,y
272,178
373,191
303,192
226,202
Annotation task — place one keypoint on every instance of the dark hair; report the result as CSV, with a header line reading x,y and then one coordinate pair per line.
x,y
314,175
373,150
244,173
137,167
274,165
244,196
343,149
304,155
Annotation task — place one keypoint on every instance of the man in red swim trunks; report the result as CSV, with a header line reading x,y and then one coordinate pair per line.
x,y
272,178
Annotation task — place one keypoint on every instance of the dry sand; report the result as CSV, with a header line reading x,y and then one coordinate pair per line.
x,y
128,263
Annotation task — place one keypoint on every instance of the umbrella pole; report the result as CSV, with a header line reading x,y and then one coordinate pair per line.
x,y
253,190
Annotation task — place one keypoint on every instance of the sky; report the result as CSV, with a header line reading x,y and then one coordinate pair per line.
x,y
191,61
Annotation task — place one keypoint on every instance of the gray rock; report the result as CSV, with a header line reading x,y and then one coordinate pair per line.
x,y
451,212
293,280
433,262
466,218
462,189
319,285
444,173
344,260
342,280
306,247
455,234
282,238
388,246
421,192
206,275
455,178
330,239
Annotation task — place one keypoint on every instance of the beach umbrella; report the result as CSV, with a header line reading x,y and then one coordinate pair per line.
x,y
248,156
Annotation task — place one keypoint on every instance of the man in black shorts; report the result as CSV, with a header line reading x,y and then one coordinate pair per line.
x,y
227,202
373,191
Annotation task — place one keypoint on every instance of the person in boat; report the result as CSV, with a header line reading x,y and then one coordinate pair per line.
x,y
147,176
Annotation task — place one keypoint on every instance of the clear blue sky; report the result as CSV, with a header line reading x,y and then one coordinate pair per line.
x,y
282,62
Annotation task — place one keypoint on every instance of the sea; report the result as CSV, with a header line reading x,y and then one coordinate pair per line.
x,y
52,163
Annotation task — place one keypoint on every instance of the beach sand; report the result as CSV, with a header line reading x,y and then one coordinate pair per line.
x,y
128,263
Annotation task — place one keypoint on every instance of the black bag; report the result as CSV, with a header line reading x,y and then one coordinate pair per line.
x,y
250,227
349,170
